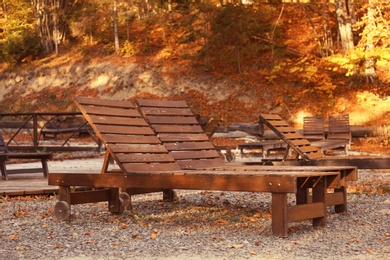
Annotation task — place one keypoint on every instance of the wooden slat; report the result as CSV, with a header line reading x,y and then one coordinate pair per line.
x,y
178,129
130,139
182,137
168,111
189,146
103,102
172,120
114,120
181,155
137,148
144,158
124,130
108,111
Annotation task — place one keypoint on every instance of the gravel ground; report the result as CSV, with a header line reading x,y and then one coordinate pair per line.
x,y
201,225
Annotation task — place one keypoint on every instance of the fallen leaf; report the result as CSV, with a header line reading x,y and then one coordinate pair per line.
x,y
237,246
59,246
222,222
115,243
124,226
369,251
153,235
252,252
14,237
293,229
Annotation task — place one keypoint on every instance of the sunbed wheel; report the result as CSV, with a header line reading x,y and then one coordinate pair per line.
x,y
230,157
62,210
122,207
126,198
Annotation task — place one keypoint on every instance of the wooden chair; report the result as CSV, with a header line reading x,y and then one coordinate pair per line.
x,y
5,155
145,165
339,129
313,128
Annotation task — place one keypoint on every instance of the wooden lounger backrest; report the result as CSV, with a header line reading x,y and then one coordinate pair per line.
x,y
339,127
289,134
313,127
180,132
128,138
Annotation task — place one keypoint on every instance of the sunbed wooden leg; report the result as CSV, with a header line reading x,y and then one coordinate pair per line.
x,y
319,195
45,167
3,171
116,204
169,195
302,196
279,214
342,192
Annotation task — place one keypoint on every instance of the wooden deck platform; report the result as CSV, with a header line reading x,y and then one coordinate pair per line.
x,y
35,184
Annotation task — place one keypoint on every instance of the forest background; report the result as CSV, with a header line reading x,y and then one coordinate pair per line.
x,y
228,59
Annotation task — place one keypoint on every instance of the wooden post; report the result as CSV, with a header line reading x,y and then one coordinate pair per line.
x,y
279,214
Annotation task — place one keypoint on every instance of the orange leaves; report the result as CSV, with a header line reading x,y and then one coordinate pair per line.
x,y
14,237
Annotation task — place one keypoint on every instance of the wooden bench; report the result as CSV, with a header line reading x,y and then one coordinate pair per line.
x,y
5,155
52,133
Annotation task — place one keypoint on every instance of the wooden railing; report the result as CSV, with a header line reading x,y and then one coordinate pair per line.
x,y
31,131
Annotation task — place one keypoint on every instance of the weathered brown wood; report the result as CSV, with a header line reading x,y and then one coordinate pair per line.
x,y
182,137
178,129
279,214
177,120
6,155
188,146
192,154
306,211
313,128
319,196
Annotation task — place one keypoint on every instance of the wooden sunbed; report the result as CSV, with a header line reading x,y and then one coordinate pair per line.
x,y
145,165
5,155
310,155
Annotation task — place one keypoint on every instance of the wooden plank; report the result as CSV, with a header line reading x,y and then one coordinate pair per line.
x,y
177,129
182,137
150,167
176,120
114,120
90,196
167,111
108,111
180,180
130,139
137,148
306,211
193,146
104,102
183,155
144,158
125,130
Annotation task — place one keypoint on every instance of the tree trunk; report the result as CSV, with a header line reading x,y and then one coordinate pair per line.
x,y
370,28
116,29
344,24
